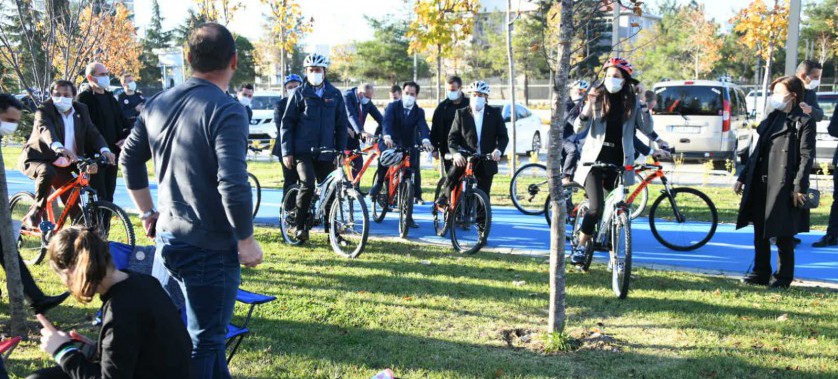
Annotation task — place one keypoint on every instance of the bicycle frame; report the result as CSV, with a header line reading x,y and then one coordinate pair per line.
x,y
76,187
373,152
464,182
394,177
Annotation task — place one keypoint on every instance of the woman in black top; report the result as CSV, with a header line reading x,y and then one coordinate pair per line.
x,y
142,334
774,182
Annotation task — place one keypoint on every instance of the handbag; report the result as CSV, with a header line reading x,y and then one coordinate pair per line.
x,y
813,199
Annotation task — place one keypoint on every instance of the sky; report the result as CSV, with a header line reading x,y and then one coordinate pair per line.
x,y
342,21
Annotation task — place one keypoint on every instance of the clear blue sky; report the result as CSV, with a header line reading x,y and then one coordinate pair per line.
x,y
341,21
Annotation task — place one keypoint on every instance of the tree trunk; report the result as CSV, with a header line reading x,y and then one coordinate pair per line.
x,y
526,89
17,315
282,55
438,73
766,79
557,313
512,114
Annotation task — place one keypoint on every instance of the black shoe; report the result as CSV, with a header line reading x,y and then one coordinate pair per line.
x,y
412,224
442,201
418,200
781,284
301,235
756,279
48,302
826,241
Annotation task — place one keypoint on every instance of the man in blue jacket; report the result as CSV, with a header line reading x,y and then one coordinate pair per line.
x,y
314,119
404,120
359,104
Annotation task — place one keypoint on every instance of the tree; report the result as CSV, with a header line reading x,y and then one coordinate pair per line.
x,y
438,26
703,42
181,33
221,11
155,38
118,49
820,29
526,46
246,70
763,29
287,27
386,56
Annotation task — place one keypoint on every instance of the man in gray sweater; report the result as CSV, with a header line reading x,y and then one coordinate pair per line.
x,y
197,136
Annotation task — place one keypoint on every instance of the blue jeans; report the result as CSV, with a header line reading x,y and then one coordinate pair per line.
x,y
209,280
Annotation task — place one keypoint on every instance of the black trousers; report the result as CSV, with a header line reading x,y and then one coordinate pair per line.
x,y
484,180
358,162
417,172
762,243
596,183
47,176
289,177
30,288
54,372
570,157
104,182
832,229
310,171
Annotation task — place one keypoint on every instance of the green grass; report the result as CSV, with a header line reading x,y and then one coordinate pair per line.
x,y
427,313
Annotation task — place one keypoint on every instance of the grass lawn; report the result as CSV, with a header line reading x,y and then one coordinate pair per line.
x,y
427,313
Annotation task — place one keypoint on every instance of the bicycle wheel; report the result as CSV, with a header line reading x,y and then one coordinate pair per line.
x,y
256,191
110,221
638,205
30,246
440,215
405,203
685,221
574,194
528,188
471,222
349,223
379,204
574,237
621,254
288,215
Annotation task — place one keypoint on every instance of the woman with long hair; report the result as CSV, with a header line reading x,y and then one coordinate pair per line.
x,y
142,334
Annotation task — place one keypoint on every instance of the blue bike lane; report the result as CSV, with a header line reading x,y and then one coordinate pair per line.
x,y
730,251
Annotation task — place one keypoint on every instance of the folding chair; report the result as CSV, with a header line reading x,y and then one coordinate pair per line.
x,y
236,333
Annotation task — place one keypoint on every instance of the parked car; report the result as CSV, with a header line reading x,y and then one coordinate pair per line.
x,y
754,101
530,133
826,144
703,119
262,126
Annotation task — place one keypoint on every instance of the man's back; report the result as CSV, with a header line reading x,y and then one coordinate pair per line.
x,y
197,136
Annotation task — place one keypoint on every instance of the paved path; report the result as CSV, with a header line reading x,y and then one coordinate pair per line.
x,y
729,250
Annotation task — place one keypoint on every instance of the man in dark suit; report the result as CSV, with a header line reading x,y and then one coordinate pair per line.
x,y
358,101
478,129
444,116
245,97
62,132
831,236
809,72
404,120
106,114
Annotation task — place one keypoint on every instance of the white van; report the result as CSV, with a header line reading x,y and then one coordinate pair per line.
x,y
703,119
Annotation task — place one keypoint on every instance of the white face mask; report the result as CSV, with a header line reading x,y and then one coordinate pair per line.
x,y
62,103
244,100
613,85
365,100
291,91
132,86
453,95
408,101
7,128
813,85
478,103
315,78
779,102
103,82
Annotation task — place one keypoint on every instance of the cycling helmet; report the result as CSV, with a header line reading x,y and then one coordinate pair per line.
x,y
479,87
390,157
581,84
619,63
292,78
316,60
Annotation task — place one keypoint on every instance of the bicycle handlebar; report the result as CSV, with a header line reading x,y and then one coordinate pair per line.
x,y
469,154
609,166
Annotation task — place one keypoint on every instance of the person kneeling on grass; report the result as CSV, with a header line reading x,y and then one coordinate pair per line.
x,y
142,335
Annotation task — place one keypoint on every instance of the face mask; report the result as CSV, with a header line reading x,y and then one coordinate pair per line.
x,y
315,78
478,103
132,86
453,95
779,102
813,85
613,85
408,101
575,97
62,103
291,91
7,128
365,100
244,100
103,82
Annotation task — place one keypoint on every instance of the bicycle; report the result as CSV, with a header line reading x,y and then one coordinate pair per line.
x,y
255,186
677,218
100,215
372,151
612,233
396,193
470,206
337,205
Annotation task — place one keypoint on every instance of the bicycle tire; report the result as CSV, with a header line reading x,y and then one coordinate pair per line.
x,y
574,240
480,196
405,207
703,203
531,206
286,215
440,215
338,227
257,192
639,204
30,247
379,204
104,228
570,191
621,266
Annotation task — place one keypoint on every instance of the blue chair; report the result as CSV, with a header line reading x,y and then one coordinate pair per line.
x,y
236,333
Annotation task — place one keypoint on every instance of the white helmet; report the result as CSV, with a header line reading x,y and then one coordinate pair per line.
x,y
581,84
316,60
390,157
479,87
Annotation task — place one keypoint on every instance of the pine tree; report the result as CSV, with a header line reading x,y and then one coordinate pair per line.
x,y
155,38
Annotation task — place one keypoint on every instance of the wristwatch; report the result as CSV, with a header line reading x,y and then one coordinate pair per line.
x,y
148,214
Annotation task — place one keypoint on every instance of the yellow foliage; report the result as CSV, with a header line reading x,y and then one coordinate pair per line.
x,y
703,43
287,24
221,11
439,24
762,27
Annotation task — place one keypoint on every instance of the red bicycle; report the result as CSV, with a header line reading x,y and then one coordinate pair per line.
x,y
468,214
397,193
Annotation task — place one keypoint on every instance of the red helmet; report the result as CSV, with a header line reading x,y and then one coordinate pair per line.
x,y
619,63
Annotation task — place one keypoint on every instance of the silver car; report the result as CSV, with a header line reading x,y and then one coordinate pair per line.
x,y
826,144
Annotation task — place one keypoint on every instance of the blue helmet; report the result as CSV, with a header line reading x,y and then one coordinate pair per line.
x,y
292,78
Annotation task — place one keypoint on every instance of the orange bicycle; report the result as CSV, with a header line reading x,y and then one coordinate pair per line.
x,y
397,193
82,208
471,218
373,152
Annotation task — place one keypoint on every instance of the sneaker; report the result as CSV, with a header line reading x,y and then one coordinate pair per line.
x,y
826,241
755,279
781,284
301,235
32,220
418,200
577,257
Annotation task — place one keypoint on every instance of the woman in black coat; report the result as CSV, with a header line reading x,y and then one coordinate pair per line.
x,y
773,183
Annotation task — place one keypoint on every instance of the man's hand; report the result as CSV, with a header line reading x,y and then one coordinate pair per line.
x,y
427,145
93,169
496,155
806,108
71,156
111,157
389,142
150,225
798,199
459,160
738,187
366,136
661,154
288,161
250,253
662,144
51,337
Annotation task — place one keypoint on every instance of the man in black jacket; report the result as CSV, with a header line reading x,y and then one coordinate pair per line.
x,y
289,176
831,236
443,118
810,73
106,114
478,129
